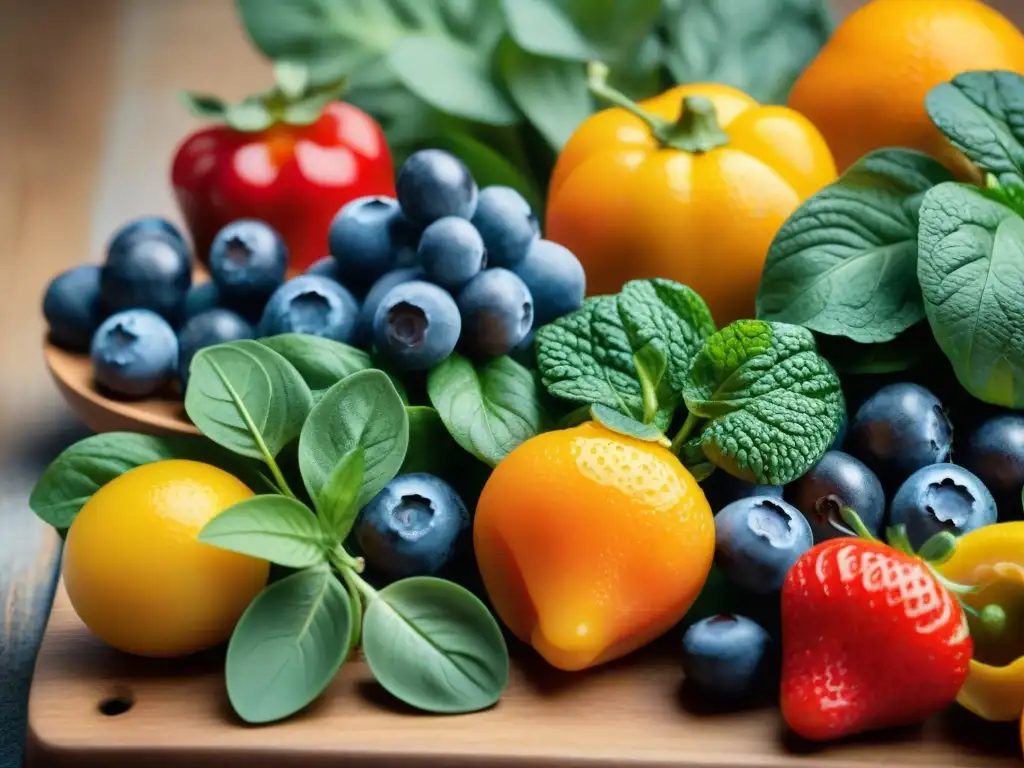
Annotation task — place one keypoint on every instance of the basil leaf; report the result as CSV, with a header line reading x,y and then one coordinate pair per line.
x,y
247,398
623,425
982,115
339,496
83,468
271,527
588,355
845,262
552,93
774,404
615,27
288,645
489,411
971,269
321,362
452,77
760,48
540,27
435,646
431,447
365,411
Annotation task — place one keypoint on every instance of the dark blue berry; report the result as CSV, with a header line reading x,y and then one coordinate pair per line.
x,y
416,326
497,312
72,307
432,184
134,353
313,305
214,326
758,539
555,279
838,480
941,497
451,252
506,223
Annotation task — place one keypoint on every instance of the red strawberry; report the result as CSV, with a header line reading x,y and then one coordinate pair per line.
x,y
870,639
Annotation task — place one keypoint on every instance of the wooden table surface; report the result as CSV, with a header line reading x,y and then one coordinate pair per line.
x,y
88,122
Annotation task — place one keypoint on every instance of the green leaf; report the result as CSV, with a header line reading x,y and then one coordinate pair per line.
x,y
204,105
249,115
431,448
651,366
910,348
364,411
982,114
971,269
435,646
288,645
615,27
489,410
845,263
587,356
338,499
540,27
552,93
271,527
247,398
760,48
321,362
452,77
624,425
774,404
292,77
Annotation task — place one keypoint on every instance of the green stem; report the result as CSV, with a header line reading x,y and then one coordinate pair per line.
x,y
343,561
692,420
597,81
275,470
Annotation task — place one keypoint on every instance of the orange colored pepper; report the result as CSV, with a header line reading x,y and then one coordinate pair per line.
x,y
691,185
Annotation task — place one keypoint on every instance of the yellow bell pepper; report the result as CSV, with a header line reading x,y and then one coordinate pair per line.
x,y
992,560
691,185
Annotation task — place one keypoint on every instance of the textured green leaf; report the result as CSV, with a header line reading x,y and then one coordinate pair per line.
x,y
773,404
971,269
845,263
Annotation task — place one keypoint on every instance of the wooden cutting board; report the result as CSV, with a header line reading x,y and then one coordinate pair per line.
x,y
93,707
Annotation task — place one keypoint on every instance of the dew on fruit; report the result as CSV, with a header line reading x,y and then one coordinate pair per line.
x,y
407,324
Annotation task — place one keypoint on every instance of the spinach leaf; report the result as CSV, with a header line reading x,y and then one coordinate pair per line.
x,y
774,405
489,410
247,398
431,447
540,27
272,527
760,48
590,355
435,646
321,362
971,268
982,114
362,411
288,645
845,262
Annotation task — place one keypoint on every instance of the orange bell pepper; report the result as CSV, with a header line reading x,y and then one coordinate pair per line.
x,y
691,185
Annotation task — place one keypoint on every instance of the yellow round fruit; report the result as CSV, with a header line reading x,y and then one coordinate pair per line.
x,y
138,576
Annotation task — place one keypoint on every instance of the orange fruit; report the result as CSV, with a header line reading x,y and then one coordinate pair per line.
x,y
865,90
591,544
138,576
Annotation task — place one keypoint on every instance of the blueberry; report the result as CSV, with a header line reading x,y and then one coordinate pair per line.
x,y
72,307
416,326
898,430
727,656
364,329
200,298
325,267
248,260
143,226
758,539
215,326
432,184
313,305
451,252
507,225
368,237
995,453
838,479
497,312
411,527
555,278
134,353
721,489
941,497
146,268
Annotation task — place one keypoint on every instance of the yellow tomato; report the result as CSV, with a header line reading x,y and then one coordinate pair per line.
x,y
136,573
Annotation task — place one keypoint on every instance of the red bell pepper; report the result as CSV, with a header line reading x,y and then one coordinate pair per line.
x,y
290,167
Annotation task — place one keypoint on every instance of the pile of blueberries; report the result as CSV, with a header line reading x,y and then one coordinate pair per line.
x,y
893,465
446,266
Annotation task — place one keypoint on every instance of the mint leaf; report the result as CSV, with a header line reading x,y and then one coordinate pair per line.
x,y
982,114
971,269
774,405
845,262
588,356
272,527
